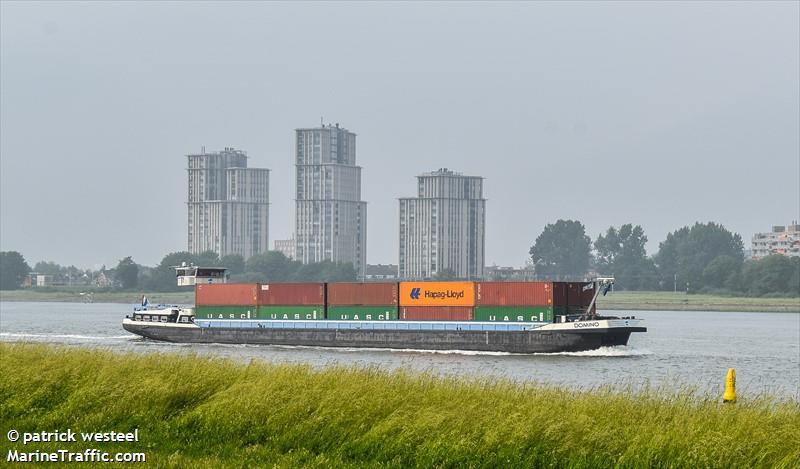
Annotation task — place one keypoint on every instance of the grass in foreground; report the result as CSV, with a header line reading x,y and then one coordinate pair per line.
x,y
201,412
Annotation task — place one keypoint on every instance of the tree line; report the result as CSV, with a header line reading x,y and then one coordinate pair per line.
x,y
705,257
271,266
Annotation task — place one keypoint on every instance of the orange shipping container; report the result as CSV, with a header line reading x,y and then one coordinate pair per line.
x,y
437,294
226,294
514,293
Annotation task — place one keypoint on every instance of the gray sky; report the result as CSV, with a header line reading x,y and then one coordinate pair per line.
x,y
659,114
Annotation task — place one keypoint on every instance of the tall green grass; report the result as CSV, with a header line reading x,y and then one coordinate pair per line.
x,y
202,412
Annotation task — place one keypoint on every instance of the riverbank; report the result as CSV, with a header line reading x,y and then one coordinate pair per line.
x,y
201,412
623,300
77,296
670,301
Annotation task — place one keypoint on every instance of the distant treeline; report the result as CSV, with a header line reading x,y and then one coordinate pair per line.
x,y
703,258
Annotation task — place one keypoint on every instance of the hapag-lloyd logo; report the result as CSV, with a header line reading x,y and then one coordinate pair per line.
x,y
438,295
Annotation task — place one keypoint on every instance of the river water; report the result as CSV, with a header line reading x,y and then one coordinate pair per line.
x,y
682,349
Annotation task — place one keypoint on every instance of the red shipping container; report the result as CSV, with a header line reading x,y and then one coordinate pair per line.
x,y
289,294
580,293
559,294
366,294
514,293
226,294
436,313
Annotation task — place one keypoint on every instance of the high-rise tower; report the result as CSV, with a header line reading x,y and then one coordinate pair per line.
x,y
330,217
228,204
442,229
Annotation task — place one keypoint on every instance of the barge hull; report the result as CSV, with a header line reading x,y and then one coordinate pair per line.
x,y
535,341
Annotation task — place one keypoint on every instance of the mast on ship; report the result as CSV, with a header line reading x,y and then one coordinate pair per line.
x,y
602,285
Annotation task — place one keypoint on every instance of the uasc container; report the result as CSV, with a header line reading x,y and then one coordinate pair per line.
x,y
292,313
362,313
514,293
513,313
291,294
226,312
226,294
436,313
437,294
367,294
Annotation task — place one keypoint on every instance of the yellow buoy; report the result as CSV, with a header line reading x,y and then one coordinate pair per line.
x,y
730,387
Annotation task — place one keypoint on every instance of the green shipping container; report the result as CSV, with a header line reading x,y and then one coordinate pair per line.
x,y
363,313
225,312
513,313
297,312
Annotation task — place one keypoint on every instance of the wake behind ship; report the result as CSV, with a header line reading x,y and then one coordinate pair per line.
x,y
516,317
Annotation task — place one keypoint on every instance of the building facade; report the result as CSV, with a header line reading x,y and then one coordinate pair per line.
x,y
228,204
443,228
783,240
498,273
285,247
381,273
330,217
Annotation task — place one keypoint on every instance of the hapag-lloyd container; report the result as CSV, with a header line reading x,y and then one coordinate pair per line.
x,y
292,313
226,294
513,313
514,293
436,313
362,313
437,294
367,294
291,294
225,312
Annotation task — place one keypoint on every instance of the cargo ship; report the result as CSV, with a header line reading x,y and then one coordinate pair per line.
x,y
514,317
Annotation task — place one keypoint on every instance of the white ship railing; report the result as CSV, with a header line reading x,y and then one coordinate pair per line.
x,y
372,325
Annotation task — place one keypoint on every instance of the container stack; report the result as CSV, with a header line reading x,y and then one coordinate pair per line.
x,y
437,301
514,301
362,301
408,301
226,301
291,301
572,297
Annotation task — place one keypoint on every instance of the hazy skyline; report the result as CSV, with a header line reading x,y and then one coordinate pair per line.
x,y
658,114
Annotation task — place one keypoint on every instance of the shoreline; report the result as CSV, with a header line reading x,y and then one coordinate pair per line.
x,y
616,301
193,411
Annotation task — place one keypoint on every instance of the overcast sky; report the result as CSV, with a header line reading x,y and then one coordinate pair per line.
x,y
659,114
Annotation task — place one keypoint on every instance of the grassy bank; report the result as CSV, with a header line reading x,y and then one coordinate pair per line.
x,y
644,301
636,301
198,412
